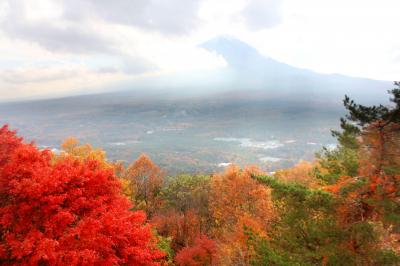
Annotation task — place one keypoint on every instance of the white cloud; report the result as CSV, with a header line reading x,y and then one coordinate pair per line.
x,y
350,37
111,41
41,82
262,14
167,17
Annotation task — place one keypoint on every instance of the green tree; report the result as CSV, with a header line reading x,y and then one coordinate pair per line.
x,y
377,127
342,224
308,231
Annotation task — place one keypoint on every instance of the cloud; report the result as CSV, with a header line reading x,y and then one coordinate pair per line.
x,y
73,27
261,14
60,39
35,75
137,65
55,35
167,17
395,52
54,81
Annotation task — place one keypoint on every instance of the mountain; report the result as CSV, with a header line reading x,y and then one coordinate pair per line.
x,y
255,110
251,74
248,69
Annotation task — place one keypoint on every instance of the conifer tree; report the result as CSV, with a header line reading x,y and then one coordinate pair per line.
x,y
342,223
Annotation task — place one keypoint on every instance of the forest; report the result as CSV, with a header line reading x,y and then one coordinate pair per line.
x,y
76,207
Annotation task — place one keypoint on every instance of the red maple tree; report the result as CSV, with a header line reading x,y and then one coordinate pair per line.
x,y
65,212
201,254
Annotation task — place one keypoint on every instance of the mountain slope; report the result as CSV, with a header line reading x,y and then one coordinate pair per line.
x,y
251,70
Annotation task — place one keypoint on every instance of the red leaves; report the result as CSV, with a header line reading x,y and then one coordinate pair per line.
x,y
65,213
182,227
201,254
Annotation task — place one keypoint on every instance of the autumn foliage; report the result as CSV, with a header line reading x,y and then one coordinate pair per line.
x,y
300,173
71,148
236,202
143,181
202,253
234,195
183,227
68,212
78,208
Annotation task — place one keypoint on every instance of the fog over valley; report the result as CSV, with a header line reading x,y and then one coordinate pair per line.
x,y
255,110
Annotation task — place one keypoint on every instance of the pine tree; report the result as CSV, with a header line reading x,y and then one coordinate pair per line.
x,y
342,223
369,133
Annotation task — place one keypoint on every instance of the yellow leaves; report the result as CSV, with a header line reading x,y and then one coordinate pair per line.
x,y
72,148
144,168
142,183
233,246
127,189
238,201
69,144
300,173
235,194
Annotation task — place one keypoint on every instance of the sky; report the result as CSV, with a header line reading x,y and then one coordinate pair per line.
x,y
60,47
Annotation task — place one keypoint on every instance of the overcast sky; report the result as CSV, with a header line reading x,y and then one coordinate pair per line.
x,y
52,47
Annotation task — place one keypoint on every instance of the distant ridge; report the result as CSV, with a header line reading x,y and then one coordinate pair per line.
x,y
252,70
250,74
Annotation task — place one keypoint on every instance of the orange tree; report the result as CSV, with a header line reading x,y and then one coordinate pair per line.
x,y
143,181
236,202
